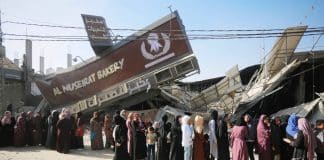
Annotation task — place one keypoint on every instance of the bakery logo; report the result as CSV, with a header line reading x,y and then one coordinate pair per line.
x,y
156,52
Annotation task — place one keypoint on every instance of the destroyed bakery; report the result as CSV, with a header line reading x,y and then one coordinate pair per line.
x,y
144,73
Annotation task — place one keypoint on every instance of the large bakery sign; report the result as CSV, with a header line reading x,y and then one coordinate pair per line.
x,y
153,47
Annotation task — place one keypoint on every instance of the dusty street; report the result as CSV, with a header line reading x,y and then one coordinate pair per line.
x,y
42,153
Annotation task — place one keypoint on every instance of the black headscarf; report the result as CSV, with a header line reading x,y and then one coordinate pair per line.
x,y
239,122
214,115
176,121
117,120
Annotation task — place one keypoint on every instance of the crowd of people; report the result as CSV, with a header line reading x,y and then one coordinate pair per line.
x,y
59,131
187,137
282,138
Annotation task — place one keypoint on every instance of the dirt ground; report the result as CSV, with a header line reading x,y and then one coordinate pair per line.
x,y
42,153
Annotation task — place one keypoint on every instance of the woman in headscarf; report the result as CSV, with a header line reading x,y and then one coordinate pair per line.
x,y
52,130
223,144
29,128
139,139
96,132
176,149
20,131
198,141
64,126
73,131
187,134
120,138
8,122
238,144
37,129
263,138
80,131
292,127
304,144
129,121
108,131
213,134
162,151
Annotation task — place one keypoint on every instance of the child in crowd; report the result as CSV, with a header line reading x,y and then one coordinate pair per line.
x,y
150,141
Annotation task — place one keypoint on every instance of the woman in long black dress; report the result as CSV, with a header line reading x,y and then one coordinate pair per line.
x,y
223,141
7,136
139,139
176,149
64,126
120,138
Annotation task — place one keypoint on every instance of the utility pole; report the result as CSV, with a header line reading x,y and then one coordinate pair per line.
x,y
0,30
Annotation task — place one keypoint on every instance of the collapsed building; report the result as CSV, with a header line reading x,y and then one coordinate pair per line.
x,y
143,73
125,75
287,79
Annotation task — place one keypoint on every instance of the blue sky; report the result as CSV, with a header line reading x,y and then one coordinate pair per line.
x,y
215,56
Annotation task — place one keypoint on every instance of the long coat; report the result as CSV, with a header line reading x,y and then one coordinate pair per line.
x,y
163,152
96,137
37,130
139,141
176,149
63,135
20,132
223,144
239,148
121,138
198,146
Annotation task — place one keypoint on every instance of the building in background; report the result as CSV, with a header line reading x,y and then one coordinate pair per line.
x,y
41,65
69,60
12,84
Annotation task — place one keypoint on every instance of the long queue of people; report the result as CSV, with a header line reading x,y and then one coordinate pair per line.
x,y
283,138
186,138
59,131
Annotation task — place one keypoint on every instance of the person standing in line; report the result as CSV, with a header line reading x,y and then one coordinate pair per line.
x,y
45,127
292,127
29,127
238,144
129,121
96,132
8,123
263,138
37,129
223,144
108,131
20,131
150,142
213,134
198,141
304,144
73,144
319,135
139,139
251,137
162,151
176,149
80,130
64,126
52,129
187,134
276,138
120,138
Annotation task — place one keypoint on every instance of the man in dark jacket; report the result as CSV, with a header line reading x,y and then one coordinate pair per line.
x,y
250,141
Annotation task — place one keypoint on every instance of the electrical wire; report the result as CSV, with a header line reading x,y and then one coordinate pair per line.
x,y
132,29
